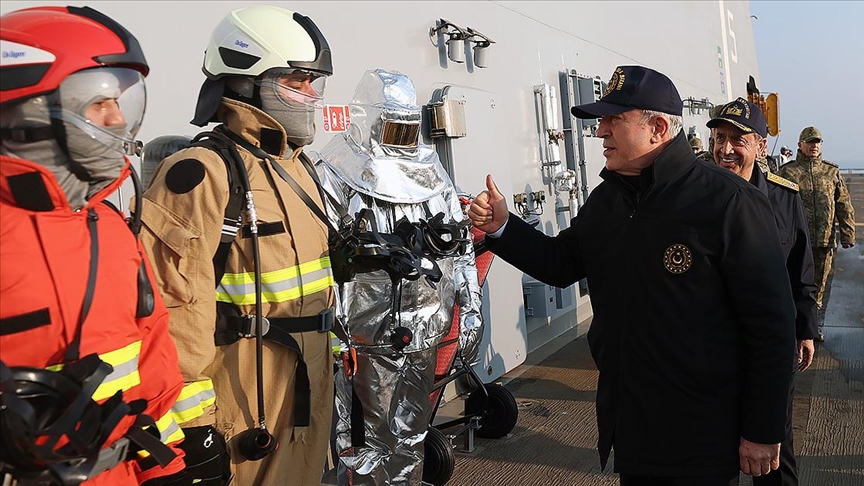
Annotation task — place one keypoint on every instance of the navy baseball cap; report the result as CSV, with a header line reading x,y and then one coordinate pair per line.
x,y
634,87
744,115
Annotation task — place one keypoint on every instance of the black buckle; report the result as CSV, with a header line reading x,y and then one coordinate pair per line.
x,y
326,320
247,329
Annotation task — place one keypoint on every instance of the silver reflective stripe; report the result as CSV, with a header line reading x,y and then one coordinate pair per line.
x,y
275,287
165,435
121,370
194,401
230,229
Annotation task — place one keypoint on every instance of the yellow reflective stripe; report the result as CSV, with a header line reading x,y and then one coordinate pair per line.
x,y
169,431
277,275
335,344
277,286
194,398
123,377
125,374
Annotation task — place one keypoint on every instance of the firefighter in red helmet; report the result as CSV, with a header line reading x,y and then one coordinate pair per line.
x,y
88,373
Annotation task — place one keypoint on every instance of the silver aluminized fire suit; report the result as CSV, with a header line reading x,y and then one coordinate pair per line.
x,y
378,164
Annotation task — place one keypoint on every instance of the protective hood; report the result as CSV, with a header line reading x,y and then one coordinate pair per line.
x,y
380,154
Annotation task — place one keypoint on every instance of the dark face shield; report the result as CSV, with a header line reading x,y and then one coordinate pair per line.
x,y
400,134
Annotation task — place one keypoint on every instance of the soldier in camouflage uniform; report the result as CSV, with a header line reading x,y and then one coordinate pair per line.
x,y
766,162
708,155
696,145
826,199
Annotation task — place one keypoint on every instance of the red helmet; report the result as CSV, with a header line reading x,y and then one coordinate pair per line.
x,y
41,46
75,76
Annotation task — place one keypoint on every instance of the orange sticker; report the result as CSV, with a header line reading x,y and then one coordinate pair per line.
x,y
336,118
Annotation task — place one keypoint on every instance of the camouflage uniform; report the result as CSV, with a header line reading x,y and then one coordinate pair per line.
x,y
708,155
695,143
826,198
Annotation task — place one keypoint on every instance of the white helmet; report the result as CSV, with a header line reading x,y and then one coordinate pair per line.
x,y
252,40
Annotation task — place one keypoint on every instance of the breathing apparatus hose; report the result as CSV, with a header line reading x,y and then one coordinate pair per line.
x,y
146,300
255,443
135,221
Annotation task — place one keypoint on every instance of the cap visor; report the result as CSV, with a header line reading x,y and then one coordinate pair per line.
x,y
598,109
716,121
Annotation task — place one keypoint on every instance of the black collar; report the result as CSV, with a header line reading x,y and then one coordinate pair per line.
x,y
676,159
757,178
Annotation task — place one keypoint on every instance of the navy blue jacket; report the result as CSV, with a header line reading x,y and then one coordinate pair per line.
x,y
693,329
795,244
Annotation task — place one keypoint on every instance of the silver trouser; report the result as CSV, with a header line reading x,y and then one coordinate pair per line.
x,y
394,392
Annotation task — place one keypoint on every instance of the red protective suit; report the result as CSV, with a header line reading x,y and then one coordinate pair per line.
x,y
45,256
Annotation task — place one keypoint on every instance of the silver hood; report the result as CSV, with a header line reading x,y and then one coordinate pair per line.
x,y
362,161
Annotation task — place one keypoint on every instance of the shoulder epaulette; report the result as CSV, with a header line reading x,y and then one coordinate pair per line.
x,y
832,164
781,181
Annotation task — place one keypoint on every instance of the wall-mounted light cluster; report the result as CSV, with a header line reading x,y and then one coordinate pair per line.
x,y
481,47
455,38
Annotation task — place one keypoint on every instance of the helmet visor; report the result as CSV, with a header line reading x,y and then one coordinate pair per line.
x,y
399,134
106,104
295,86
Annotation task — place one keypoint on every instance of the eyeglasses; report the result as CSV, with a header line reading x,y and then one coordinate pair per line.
x,y
295,85
306,82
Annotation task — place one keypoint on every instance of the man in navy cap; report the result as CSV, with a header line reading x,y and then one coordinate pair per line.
x,y
693,315
739,136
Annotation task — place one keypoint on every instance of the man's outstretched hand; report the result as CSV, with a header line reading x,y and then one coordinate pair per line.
x,y
489,211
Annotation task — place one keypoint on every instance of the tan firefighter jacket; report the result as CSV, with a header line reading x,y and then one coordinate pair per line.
x,y
183,213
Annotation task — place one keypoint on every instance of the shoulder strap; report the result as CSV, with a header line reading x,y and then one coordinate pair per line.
x,y
344,217
285,176
772,177
233,210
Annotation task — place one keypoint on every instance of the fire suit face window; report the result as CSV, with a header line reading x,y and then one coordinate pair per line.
x,y
399,134
385,118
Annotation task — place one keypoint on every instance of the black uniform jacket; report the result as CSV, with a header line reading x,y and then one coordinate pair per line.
x,y
693,329
795,244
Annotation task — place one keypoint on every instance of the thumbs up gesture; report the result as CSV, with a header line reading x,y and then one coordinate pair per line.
x,y
489,211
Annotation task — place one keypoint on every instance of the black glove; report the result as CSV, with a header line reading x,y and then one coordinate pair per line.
x,y
207,460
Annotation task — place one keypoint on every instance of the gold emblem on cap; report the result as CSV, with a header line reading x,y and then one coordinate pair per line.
x,y
616,82
677,259
734,110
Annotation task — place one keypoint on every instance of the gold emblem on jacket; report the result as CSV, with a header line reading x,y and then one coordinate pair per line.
x,y
677,258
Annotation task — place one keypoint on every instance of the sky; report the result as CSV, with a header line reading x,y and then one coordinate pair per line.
x,y
812,54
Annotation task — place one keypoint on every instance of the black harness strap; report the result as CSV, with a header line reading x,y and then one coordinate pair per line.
x,y
140,434
231,326
285,176
72,351
232,219
358,422
25,322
